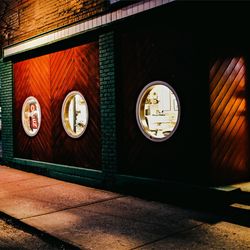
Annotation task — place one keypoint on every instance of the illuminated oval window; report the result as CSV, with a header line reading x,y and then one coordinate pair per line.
x,y
158,111
75,114
31,116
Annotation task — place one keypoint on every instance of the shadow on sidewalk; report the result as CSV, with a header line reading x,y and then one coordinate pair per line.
x,y
233,206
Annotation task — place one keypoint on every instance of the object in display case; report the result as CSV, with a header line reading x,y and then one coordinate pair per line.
x,y
158,111
74,114
31,116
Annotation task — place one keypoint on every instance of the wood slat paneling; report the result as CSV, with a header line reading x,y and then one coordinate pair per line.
x,y
40,89
77,69
146,56
50,78
62,81
229,121
32,79
22,89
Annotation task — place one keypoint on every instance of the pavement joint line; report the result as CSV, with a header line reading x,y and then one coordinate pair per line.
x,y
168,236
77,206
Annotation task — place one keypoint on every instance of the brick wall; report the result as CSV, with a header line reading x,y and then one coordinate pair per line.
x,y
23,19
6,77
108,106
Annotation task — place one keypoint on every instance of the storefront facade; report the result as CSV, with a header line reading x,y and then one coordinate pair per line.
x,y
128,95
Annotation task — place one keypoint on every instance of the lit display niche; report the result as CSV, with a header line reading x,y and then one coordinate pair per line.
x,y
75,114
158,111
31,116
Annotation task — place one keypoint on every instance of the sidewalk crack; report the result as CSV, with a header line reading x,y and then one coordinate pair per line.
x,y
167,236
77,206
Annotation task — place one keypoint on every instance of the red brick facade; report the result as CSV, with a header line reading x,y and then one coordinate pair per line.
x,y
22,19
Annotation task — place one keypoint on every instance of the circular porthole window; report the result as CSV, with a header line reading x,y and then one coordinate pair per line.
x,y
31,116
158,111
75,114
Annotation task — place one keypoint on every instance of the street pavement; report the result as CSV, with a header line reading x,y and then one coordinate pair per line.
x,y
15,236
89,218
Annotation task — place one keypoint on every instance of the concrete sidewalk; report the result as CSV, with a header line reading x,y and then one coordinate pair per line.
x,y
89,218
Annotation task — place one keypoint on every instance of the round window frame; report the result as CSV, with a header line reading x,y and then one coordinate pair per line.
x,y
64,105
143,94
27,130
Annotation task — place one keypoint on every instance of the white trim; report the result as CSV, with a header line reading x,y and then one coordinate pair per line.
x,y
27,115
64,114
139,117
82,27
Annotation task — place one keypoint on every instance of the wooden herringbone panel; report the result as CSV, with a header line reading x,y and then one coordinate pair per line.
x,y
22,89
77,69
62,81
144,58
32,79
50,78
40,88
229,125
88,83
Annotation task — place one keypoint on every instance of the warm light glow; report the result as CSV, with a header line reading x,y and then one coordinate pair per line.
x,y
158,111
240,206
74,114
31,116
229,122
